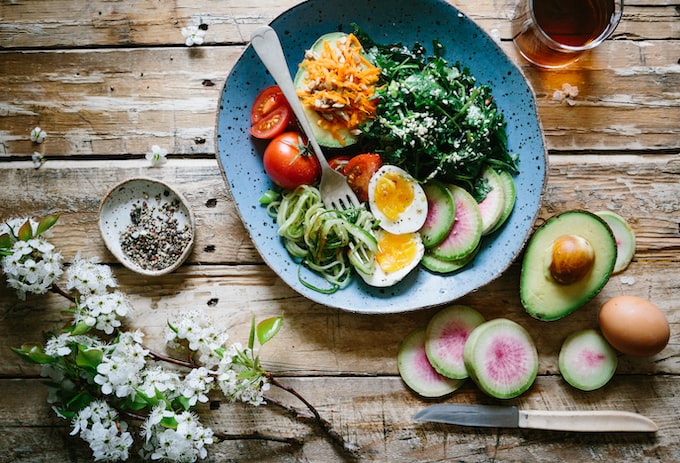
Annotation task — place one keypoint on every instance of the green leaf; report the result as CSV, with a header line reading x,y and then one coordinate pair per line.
x,y
5,241
25,231
46,223
64,414
138,402
88,358
34,354
268,328
183,402
80,401
80,328
169,422
251,339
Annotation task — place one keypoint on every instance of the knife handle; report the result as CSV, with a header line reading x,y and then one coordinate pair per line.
x,y
586,421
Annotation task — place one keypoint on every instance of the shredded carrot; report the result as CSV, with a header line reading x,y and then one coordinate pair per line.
x,y
339,85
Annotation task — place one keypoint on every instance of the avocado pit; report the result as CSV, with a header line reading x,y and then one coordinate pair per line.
x,y
572,258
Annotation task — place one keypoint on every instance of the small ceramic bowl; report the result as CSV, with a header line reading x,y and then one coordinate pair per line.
x,y
147,226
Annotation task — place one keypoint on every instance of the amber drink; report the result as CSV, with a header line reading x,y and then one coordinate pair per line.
x,y
555,33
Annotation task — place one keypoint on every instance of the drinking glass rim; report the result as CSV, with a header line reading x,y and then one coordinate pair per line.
x,y
552,43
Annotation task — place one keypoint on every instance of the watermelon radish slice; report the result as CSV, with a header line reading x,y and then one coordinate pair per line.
x,y
437,265
510,193
445,338
441,212
501,358
586,360
466,232
493,205
416,370
624,237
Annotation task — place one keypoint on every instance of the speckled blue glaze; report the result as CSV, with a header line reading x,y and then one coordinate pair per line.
x,y
386,21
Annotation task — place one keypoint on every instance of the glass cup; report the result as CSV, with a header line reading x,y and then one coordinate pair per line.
x,y
555,33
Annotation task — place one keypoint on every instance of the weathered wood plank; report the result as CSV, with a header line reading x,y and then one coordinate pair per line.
x,y
317,340
115,101
146,22
375,414
623,184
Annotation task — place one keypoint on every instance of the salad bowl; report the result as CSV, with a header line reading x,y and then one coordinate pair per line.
x,y
385,21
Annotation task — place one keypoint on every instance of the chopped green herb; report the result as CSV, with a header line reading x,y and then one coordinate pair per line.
x,y
433,119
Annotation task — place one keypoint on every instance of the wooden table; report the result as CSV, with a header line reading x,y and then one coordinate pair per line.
x,y
106,80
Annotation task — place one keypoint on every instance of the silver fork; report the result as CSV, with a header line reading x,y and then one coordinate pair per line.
x,y
335,192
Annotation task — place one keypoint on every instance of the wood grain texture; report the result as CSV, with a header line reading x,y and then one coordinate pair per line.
x,y
109,78
96,100
375,414
643,188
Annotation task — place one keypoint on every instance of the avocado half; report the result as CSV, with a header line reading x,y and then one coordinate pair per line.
x,y
323,137
542,295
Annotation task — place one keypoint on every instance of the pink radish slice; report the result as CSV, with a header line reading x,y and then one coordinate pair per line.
x,y
586,360
416,370
510,193
445,339
624,236
492,206
501,358
466,232
441,213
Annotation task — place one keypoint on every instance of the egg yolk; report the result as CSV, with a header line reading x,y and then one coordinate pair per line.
x,y
395,251
393,194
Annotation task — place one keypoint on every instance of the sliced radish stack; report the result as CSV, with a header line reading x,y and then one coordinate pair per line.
x,y
445,339
501,358
416,370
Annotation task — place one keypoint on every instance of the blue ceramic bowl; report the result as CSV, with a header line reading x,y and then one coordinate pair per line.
x,y
386,21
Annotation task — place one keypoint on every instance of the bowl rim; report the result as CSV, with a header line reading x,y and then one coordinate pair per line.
x,y
541,185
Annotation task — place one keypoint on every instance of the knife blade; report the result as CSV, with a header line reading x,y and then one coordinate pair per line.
x,y
499,416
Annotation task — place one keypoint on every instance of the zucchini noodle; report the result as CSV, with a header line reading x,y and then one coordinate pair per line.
x,y
330,242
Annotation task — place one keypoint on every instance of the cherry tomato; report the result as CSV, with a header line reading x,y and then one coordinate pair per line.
x,y
270,114
289,162
359,171
339,163
272,124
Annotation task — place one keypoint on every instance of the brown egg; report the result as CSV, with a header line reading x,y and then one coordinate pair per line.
x,y
634,326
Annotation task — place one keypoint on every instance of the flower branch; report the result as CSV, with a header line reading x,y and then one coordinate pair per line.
x,y
104,380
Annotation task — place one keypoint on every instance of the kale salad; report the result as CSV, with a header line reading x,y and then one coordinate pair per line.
x,y
433,118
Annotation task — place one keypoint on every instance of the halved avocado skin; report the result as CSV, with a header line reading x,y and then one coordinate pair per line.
x,y
323,137
544,298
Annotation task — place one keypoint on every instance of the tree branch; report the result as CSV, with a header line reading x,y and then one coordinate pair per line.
x,y
335,437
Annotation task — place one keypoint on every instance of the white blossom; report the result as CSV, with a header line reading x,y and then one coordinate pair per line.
x,y
120,369
60,346
157,156
98,425
185,443
193,35
38,135
88,277
200,334
38,159
32,267
236,386
196,385
156,378
102,311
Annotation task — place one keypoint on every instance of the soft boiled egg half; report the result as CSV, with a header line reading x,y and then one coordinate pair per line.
x,y
396,256
397,200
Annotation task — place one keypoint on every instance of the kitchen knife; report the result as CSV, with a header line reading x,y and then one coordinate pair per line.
x,y
511,417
